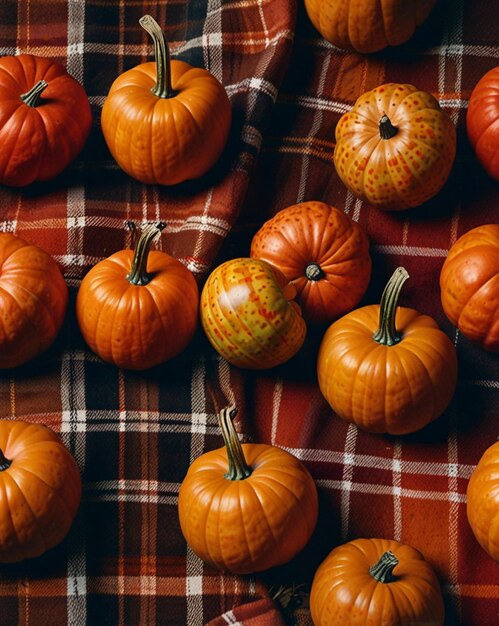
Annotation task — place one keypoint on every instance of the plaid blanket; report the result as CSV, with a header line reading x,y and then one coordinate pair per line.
x,y
135,434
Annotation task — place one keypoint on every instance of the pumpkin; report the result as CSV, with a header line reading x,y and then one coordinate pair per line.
x,y
40,490
249,316
165,121
137,309
395,148
482,123
387,369
469,285
45,119
482,501
323,252
376,581
33,300
367,25
247,507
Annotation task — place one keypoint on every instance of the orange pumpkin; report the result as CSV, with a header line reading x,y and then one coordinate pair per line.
x,y
137,309
395,148
249,316
246,507
376,581
469,285
385,369
367,25
482,501
40,490
165,122
33,300
323,252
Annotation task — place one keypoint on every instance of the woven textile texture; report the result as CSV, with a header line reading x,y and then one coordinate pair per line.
x,y
134,434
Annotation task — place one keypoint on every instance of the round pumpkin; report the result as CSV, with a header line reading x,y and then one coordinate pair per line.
x,y
245,508
395,148
33,300
482,501
482,121
165,122
385,368
367,25
323,252
40,490
376,581
45,119
137,309
249,316
469,285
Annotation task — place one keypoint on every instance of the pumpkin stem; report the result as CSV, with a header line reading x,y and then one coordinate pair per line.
x,y
382,571
4,463
238,468
32,97
138,274
387,334
386,129
314,272
163,87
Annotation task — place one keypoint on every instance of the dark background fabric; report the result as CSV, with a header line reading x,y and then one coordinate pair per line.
x,y
135,434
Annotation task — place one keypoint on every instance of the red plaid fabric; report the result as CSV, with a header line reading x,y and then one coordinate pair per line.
x,y
135,434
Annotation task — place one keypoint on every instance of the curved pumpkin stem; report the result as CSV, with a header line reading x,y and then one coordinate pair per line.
x,y
163,87
238,468
387,334
138,274
32,97
386,129
382,571
4,462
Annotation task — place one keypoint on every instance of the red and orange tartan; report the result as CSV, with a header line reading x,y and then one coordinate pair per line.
x,y
135,434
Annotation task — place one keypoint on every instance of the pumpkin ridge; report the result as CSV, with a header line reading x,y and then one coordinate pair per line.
x,y
27,113
270,528
26,321
7,511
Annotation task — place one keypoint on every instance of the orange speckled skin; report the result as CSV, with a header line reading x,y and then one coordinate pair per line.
x,y
469,284
247,314
314,232
250,525
482,501
387,389
406,170
367,25
344,593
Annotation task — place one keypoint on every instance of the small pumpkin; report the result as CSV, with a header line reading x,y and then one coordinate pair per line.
x,y
387,369
376,581
323,252
249,316
33,300
469,285
137,309
368,25
248,507
395,148
40,490
482,121
45,119
165,122
482,501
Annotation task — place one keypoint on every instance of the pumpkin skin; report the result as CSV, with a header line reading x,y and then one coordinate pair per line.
x,y
33,300
40,490
43,125
138,309
482,121
469,285
165,122
246,507
482,501
387,369
395,148
367,25
376,581
323,252
248,314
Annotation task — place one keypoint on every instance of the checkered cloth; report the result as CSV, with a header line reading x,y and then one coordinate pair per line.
x,y
135,434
